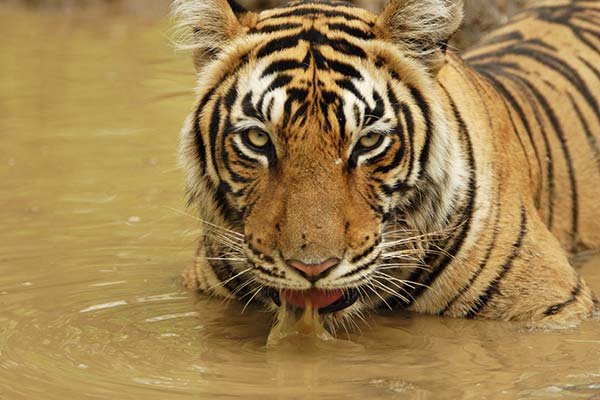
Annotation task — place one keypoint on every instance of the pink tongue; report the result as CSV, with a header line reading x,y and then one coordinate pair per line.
x,y
318,298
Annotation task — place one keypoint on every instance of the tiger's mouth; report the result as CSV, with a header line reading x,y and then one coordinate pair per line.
x,y
326,301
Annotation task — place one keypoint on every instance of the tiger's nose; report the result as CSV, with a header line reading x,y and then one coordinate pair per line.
x,y
314,272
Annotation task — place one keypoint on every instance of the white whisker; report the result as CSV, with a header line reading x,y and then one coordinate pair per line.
x,y
252,298
389,290
223,283
369,286
221,228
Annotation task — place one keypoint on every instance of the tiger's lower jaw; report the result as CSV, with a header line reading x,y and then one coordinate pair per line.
x,y
326,301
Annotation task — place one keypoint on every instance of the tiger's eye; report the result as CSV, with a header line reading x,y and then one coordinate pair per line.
x,y
371,140
257,138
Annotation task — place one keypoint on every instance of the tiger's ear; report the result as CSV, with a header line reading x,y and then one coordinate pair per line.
x,y
207,26
421,28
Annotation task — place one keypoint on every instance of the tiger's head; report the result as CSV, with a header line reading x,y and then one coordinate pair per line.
x,y
318,150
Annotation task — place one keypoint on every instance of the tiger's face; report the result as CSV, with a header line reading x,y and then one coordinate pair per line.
x,y
314,142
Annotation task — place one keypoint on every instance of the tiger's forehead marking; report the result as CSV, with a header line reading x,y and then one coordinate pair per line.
x,y
312,66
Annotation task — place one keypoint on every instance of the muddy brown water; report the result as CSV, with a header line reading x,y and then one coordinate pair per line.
x,y
91,247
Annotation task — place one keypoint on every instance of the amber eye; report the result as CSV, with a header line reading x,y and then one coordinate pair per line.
x,y
370,140
256,139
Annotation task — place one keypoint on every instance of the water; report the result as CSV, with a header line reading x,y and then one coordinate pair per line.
x,y
91,247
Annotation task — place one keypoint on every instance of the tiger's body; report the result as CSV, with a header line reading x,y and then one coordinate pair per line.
x,y
485,176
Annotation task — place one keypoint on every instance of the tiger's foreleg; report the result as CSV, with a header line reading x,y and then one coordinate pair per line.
x,y
535,281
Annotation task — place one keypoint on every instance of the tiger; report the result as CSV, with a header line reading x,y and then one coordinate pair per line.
x,y
353,161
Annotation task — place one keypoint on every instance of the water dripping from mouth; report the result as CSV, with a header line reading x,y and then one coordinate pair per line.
x,y
293,322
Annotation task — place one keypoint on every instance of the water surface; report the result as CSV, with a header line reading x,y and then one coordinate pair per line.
x,y
92,244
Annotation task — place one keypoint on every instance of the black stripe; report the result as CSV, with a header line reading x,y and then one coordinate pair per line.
x,y
513,48
225,156
349,86
346,48
498,39
579,33
538,43
398,155
492,288
261,256
297,94
556,308
248,107
319,61
595,70
271,28
198,139
374,160
495,228
365,253
294,95
214,129
243,159
352,31
282,66
357,115
410,133
591,139
278,44
343,68
424,107
341,120
374,114
300,114
280,81
223,205
359,269
231,96
269,113
266,271
234,175
199,142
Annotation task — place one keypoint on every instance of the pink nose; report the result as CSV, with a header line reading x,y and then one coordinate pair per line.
x,y
314,270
